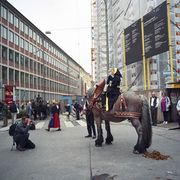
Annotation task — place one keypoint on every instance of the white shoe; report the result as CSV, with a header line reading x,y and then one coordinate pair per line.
x,y
166,122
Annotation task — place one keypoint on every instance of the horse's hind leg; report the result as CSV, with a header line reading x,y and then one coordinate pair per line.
x,y
100,139
109,137
139,147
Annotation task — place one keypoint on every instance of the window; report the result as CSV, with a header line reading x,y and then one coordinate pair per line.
x,y
16,76
16,39
22,77
16,57
4,52
26,46
22,60
21,26
30,48
26,62
11,75
30,33
3,12
11,53
4,73
4,32
34,35
11,36
11,18
16,21
26,29
21,43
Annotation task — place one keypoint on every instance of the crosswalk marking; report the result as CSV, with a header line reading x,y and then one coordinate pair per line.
x,y
40,125
82,123
68,124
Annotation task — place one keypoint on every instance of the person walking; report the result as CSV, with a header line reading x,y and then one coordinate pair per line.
x,y
77,108
13,109
165,105
154,102
90,121
55,120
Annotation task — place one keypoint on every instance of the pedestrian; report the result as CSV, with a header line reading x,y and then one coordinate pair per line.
x,y
178,111
77,108
14,110
29,110
55,120
21,135
165,107
154,102
90,121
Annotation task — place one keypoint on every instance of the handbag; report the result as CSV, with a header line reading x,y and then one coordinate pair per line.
x,y
51,122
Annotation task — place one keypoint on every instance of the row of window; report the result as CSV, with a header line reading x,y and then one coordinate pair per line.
x,y
22,79
25,63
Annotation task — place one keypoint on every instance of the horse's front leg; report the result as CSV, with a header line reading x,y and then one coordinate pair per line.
x,y
100,139
139,147
109,137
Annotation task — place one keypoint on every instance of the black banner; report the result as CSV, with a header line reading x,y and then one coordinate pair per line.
x,y
133,43
156,31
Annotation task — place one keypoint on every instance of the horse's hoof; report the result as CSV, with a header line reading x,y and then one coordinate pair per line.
x,y
98,145
136,152
108,143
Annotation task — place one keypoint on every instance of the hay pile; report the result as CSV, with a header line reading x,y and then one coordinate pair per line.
x,y
155,155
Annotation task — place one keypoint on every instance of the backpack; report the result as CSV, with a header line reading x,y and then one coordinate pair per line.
x,y
12,129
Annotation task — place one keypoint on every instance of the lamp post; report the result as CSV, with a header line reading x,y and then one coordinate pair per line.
x,y
107,42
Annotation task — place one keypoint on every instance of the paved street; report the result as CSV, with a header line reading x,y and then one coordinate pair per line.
x,y
66,155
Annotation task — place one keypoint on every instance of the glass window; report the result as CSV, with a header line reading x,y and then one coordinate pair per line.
x,y
30,32
34,35
16,76
22,60
11,53
26,62
21,26
30,48
4,52
16,57
4,32
4,73
16,39
34,66
26,29
11,18
26,46
3,12
16,21
31,64
22,77
21,42
11,75
11,36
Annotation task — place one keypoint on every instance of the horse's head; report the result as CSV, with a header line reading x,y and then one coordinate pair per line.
x,y
94,93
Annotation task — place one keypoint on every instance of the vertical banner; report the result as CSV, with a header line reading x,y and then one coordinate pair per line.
x,y
8,94
133,43
156,31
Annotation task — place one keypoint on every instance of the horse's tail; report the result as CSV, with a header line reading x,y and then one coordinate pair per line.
x,y
146,123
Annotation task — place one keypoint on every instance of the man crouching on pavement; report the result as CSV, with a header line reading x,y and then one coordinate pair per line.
x,y
21,135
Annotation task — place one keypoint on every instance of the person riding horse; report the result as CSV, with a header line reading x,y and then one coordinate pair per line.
x,y
113,88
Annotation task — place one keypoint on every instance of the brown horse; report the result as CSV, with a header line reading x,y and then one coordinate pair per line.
x,y
130,106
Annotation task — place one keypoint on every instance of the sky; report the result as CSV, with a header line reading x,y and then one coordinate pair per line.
x,y
69,22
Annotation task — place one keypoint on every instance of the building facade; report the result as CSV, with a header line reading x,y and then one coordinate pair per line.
x,y
33,63
120,15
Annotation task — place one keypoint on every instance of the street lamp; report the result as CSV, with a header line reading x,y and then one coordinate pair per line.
x,y
107,43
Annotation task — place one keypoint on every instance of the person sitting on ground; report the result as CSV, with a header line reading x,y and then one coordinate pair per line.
x,y
21,135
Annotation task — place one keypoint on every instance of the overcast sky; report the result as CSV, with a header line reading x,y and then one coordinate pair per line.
x,y
69,22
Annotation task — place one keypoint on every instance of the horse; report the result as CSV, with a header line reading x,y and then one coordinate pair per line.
x,y
129,106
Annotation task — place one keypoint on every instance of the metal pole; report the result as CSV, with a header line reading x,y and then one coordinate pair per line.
x,y
107,42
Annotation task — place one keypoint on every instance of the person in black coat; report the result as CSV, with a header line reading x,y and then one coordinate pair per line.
x,y
21,135
113,88
90,121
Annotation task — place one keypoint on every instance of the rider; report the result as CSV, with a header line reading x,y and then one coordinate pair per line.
x,y
113,88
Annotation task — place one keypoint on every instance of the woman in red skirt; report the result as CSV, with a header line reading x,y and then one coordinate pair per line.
x,y
55,120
